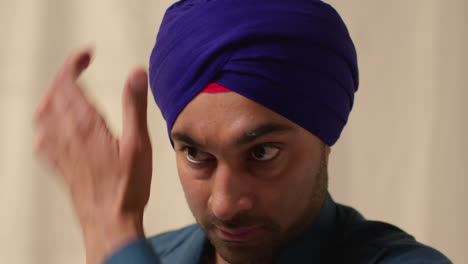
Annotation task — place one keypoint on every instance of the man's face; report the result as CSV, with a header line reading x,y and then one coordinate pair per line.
x,y
252,178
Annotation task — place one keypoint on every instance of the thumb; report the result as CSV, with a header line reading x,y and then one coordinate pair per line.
x,y
134,99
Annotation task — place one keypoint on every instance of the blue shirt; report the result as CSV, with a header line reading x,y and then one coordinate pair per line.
x,y
339,234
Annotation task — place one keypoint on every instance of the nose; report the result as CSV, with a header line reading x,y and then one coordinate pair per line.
x,y
231,192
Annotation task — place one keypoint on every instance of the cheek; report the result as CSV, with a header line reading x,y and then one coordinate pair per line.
x,y
292,194
196,191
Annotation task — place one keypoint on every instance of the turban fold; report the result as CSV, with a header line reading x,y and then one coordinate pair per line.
x,y
294,57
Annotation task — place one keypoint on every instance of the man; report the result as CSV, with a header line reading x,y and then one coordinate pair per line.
x,y
254,93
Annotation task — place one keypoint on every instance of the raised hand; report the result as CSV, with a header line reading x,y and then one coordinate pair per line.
x,y
108,179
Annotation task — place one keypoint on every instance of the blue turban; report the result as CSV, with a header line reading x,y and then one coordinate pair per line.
x,y
294,57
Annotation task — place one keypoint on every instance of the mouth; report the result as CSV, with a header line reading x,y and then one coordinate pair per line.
x,y
241,234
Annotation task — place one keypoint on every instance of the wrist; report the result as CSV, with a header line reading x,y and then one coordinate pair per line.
x,y
103,238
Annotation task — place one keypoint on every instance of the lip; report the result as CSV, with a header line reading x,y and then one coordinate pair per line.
x,y
241,234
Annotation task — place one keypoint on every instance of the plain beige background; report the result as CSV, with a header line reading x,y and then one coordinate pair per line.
x,y
402,158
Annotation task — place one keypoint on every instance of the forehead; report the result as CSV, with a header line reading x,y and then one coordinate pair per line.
x,y
225,114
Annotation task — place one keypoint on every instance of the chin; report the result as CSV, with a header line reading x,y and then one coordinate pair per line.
x,y
236,255
252,252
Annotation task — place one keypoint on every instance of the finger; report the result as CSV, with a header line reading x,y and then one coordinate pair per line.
x,y
134,99
45,151
65,85
65,80
74,65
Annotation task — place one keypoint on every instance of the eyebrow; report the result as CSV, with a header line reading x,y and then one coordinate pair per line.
x,y
262,130
247,137
179,136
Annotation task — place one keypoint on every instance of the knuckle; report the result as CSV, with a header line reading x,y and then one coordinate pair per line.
x,y
43,142
44,150
43,107
39,116
86,121
39,147
40,137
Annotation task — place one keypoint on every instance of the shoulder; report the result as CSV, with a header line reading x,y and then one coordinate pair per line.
x,y
382,243
169,242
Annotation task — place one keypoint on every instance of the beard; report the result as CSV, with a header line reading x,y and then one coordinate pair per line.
x,y
259,250
264,248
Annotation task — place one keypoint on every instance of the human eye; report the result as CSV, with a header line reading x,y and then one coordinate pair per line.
x,y
264,152
195,155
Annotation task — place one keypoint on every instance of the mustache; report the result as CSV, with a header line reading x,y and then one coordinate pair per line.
x,y
240,220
